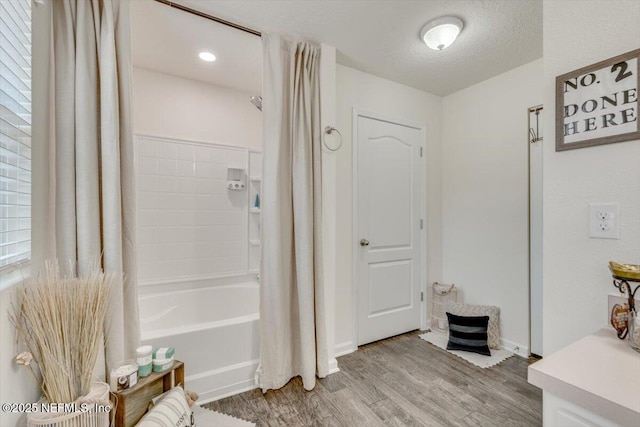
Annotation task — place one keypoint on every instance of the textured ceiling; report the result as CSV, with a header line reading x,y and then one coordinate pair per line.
x,y
378,37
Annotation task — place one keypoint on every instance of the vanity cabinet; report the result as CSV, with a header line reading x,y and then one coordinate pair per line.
x,y
592,382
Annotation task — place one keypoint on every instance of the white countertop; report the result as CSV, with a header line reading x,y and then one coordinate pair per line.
x,y
600,373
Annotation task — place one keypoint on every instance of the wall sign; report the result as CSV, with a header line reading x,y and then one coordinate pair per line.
x,y
598,104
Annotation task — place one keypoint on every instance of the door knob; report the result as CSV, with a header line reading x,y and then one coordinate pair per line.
x,y
364,242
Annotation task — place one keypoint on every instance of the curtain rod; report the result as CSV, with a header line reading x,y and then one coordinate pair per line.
x,y
210,17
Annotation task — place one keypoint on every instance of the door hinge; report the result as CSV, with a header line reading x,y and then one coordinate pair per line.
x,y
421,223
421,296
421,151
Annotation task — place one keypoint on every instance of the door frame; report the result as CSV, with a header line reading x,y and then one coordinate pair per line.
x,y
355,246
530,229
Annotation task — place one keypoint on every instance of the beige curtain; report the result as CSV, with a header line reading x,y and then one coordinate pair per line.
x,y
92,147
293,330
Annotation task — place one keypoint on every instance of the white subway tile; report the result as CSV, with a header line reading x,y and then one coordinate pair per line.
x,y
236,247
167,217
147,200
237,159
168,268
203,249
167,150
219,171
220,187
184,267
205,186
209,217
194,225
186,185
186,152
170,201
167,167
147,166
147,235
147,252
204,202
168,251
147,148
238,218
185,168
201,266
147,217
235,263
177,201
203,154
148,183
219,156
167,184
204,169
147,270
169,235
186,217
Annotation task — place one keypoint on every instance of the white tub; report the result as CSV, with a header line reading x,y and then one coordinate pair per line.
x,y
215,332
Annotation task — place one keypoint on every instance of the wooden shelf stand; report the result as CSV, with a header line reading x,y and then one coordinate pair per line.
x,y
133,402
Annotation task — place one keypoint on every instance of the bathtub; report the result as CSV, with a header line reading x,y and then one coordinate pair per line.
x,y
215,331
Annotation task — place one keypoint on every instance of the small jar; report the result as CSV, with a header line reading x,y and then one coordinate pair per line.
x,y
634,330
143,360
162,365
123,376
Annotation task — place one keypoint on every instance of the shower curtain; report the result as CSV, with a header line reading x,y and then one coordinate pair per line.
x,y
92,169
293,329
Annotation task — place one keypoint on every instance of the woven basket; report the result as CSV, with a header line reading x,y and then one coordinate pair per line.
x,y
98,396
441,297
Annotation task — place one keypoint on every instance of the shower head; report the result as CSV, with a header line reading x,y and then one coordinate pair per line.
x,y
257,101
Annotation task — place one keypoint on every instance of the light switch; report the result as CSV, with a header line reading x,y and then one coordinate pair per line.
x,y
604,220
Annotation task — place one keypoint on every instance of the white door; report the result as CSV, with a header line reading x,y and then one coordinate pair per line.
x,y
388,228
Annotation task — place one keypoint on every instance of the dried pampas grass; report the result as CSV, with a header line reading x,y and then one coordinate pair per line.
x,y
60,319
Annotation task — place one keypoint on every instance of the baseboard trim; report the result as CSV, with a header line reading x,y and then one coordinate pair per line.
x,y
238,388
333,366
345,348
515,348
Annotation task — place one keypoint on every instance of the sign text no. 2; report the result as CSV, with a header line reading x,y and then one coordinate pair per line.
x,y
598,104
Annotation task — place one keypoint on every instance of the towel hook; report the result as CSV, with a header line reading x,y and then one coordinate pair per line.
x,y
328,131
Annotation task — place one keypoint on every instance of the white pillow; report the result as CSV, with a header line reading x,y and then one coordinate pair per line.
x,y
493,330
171,410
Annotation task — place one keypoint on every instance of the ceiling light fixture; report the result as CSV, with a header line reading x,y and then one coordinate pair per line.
x,y
441,32
207,56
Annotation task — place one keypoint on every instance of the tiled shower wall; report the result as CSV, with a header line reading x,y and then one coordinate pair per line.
x,y
189,223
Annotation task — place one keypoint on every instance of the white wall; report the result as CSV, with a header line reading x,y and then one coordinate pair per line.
x,y
484,194
173,107
16,384
575,274
374,94
329,194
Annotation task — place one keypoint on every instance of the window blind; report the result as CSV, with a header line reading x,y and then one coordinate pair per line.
x,y
15,132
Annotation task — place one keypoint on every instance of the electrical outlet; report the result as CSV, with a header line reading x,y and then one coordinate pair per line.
x,y
604,221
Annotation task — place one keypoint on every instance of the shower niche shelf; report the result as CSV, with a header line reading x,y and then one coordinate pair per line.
x,y
255,195
236,178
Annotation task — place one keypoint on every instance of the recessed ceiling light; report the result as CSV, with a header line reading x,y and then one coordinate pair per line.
x,y
207,56
441,32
